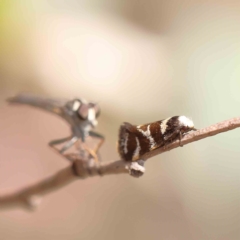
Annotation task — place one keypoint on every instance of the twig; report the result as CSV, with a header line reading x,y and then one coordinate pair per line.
x,y
30,196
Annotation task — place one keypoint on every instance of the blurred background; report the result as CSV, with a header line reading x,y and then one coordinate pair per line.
x,y
142,61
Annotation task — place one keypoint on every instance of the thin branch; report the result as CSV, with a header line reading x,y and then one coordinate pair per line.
x,y
29,197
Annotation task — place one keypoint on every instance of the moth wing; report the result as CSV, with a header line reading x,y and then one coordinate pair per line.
x,y
129,127
124,129
171,135
127,131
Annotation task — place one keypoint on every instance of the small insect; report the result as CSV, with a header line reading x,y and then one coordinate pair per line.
x,y
80,114
135,141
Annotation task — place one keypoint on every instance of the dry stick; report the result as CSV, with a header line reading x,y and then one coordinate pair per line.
x,y
29,197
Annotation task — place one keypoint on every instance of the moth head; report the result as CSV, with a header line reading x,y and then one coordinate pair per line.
x,y
86,110
186,124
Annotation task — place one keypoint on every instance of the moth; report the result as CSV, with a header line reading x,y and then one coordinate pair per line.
x,y
136,140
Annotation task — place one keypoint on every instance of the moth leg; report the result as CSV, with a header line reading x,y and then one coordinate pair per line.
x,y
173,136
180,139
164,146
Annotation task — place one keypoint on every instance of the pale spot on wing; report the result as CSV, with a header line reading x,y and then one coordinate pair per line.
x,y
125,144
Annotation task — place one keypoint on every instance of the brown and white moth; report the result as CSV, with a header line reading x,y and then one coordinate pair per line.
x,y
135,141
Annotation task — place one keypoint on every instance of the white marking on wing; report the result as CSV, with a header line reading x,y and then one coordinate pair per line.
x,y
148,135
186,121
163,125
137,150
125,144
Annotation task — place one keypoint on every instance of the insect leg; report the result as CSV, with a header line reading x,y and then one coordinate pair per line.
x,y
100,143
91,152
53,143
69,144
99,136
71,140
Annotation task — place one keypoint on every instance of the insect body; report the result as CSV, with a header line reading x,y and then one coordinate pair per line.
x,y
135,141
80,114
82,117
